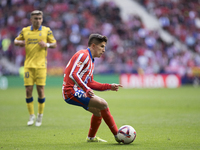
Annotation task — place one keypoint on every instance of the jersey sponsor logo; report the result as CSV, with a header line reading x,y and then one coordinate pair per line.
x,y
32,41
79,64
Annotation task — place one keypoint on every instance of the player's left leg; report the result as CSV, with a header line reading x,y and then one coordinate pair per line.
x,y
40,82
41,99
108,118
41,104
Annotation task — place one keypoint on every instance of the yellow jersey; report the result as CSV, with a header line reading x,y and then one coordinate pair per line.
x,y
35,54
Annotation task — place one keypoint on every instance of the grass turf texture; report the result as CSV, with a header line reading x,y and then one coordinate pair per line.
x,y
164,119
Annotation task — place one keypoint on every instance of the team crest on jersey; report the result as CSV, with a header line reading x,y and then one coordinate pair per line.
x,y
79,64
40,34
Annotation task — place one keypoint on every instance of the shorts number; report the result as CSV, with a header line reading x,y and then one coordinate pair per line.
x,y
79,94
26,74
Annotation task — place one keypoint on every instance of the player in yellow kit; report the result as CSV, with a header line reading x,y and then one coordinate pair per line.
x,y
36,39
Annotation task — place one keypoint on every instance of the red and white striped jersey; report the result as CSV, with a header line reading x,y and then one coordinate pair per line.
x,y
79,74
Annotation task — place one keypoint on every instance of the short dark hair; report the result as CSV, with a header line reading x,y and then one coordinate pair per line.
x,y
36,12
96,39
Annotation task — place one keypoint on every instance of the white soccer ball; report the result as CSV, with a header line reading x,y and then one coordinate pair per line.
x,y
126,134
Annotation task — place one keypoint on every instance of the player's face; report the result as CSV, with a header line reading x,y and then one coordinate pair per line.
x,y
99,49
36,21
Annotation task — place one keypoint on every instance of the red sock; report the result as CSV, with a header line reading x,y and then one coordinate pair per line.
x,y
94,125
108,118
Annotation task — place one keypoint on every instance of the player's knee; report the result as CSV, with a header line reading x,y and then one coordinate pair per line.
x,y
28,92
29,100
40,90
41,100
104,104
97,112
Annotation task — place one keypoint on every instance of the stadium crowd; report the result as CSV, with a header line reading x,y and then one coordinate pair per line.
x,y
130,46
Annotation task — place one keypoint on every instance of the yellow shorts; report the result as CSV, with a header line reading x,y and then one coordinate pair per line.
x,y
35,76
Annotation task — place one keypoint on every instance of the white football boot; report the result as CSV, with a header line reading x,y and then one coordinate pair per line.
x,y
95,139
39,120
31,120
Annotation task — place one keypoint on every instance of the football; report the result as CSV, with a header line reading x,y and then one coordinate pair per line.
x,y
126,134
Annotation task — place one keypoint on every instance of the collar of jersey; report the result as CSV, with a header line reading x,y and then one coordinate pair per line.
x,y
90,54
40,28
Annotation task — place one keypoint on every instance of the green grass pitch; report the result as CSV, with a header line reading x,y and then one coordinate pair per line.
x,y
164,119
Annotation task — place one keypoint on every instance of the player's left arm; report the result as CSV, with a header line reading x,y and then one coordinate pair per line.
x,y
99,86
51,42
47,45
115,87
102,86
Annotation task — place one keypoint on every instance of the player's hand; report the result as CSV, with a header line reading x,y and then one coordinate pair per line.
x,y
115,87
42,44
89,93
20,43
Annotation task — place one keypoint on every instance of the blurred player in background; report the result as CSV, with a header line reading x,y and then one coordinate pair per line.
x,y
36,39
78,86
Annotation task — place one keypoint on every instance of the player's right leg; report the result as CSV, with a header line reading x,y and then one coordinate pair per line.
x,y
78,98
30,105
28,83
94,125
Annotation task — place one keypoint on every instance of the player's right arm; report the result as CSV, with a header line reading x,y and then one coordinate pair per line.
x,y
19,43
19,40
81,63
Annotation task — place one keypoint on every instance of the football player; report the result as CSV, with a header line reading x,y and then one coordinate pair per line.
x,y
36,39
78,86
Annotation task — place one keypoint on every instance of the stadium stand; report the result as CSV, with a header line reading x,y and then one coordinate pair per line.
x,y
132,43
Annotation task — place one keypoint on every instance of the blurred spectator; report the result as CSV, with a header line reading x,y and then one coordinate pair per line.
x,y
130,46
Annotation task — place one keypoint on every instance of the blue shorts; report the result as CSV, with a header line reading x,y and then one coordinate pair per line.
x,y
79,99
